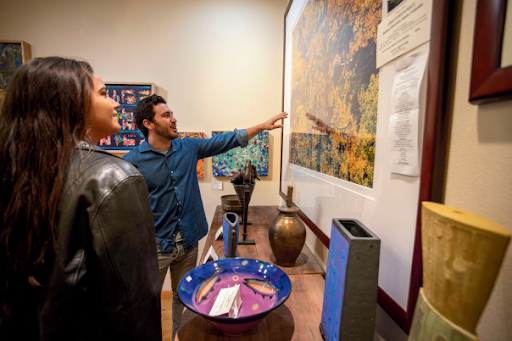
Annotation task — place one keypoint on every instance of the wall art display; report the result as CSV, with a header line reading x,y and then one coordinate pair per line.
x,y
334,89
335,150
200,163
127,95
490,81
232,162
12,55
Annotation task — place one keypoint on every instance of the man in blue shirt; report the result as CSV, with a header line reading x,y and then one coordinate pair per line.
x,y
168,165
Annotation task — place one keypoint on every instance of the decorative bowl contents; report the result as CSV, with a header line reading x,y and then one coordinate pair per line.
x,y
263,288
230,203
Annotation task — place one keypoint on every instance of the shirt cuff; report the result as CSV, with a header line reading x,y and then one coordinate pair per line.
x,y
241,137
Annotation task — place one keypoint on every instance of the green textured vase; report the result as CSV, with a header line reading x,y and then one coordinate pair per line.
x,y
429,325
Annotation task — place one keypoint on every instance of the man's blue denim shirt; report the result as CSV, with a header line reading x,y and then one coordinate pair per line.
x,y
172,185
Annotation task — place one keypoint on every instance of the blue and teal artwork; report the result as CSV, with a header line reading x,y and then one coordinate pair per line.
x,y
233,161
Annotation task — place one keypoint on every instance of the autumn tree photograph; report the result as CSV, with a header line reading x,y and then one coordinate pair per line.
x,y
334,90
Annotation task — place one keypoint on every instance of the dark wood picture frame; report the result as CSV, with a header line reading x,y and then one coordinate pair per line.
x,y
26,51
434,148
489,81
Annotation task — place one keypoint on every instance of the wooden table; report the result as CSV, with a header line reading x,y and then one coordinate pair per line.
x,y
298,318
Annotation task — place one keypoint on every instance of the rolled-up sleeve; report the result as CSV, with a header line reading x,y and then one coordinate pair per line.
x,y
241,137
222,143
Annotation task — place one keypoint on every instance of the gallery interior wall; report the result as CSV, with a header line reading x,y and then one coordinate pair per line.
x,y
219,65
479,177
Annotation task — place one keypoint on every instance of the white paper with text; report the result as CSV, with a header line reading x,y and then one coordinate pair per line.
x,y
404,29
228,301
403,122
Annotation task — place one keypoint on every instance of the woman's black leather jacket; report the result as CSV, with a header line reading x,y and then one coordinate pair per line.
x,y
102,282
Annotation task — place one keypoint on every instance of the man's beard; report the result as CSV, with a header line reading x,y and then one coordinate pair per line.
x,y
163,131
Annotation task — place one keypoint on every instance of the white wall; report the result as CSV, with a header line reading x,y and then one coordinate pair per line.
x,y
217,62
479,179
479,175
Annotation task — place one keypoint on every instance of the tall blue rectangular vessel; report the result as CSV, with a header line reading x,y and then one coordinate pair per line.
x,y
351,283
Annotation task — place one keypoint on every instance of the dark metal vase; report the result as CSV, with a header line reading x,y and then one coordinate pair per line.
x,y
287,233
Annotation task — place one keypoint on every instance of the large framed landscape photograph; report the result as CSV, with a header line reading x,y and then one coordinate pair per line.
x,y
335,149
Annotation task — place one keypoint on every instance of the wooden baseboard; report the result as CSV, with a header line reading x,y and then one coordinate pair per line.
x,y
166,294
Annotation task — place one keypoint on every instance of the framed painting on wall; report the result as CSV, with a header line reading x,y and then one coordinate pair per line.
x,y
335,150
12,55
233,161
200,163
127,95
491,70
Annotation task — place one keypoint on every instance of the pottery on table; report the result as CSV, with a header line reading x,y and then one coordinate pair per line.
x,y
230,203
287,233
462,255
230,228
263,288
351,282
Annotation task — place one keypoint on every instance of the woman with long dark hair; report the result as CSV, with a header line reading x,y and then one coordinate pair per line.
x,y
77,242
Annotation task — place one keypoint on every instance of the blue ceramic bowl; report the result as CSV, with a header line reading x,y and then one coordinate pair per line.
x,y
263,288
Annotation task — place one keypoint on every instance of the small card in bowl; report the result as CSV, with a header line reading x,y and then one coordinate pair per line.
x,y
227,302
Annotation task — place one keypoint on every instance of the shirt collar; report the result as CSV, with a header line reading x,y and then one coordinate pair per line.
x,y
146,147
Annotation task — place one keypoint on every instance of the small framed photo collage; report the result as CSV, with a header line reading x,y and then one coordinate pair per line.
x,y
127,95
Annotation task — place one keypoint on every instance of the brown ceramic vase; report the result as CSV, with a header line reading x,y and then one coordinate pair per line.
x,y
287,234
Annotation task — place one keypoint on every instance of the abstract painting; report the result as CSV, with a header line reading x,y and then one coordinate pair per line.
x,y
127,95
334,89
10,61
233,161
200,163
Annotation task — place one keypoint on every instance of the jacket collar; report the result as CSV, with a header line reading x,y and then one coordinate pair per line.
x,y
84,145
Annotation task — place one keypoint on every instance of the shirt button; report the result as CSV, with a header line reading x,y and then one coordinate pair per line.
x,y
177,204
172,172
175,187
179,219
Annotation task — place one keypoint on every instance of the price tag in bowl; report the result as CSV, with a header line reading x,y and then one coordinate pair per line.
x,y
228,301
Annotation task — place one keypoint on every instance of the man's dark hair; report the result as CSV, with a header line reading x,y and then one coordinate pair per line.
x,y
145,111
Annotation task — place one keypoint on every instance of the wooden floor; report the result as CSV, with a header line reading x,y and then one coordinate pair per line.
x,y
166,318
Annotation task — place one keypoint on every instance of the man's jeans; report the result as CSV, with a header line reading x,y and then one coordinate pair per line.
x,y
179,262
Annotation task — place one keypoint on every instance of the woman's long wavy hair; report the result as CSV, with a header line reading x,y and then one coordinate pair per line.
x,y
42,119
